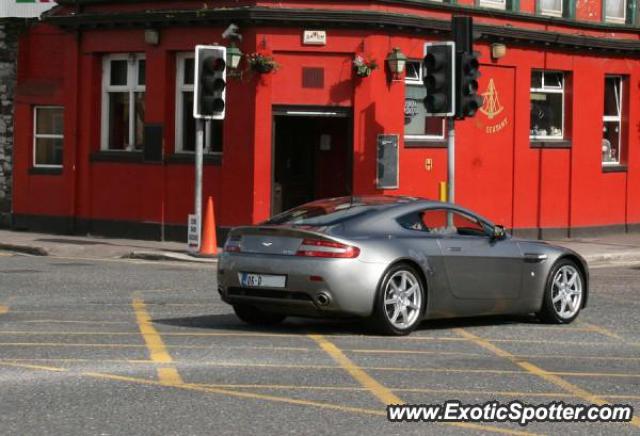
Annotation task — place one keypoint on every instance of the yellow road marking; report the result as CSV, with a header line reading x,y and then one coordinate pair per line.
x,y
536,370
29,366
331,367
293,335
21,363
3,309
382,393
603,331
167,373
378,390
59,321
200,388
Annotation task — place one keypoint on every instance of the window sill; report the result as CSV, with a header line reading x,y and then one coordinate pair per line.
x,y
557,143
614,168
436,143
190,158
117,156
45,171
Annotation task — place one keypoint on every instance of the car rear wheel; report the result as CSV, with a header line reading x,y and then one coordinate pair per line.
x,y
400,301
253,315
564,293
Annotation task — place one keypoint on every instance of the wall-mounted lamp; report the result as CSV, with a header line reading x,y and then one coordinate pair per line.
x,y
234,56
151,36
396,61
498,50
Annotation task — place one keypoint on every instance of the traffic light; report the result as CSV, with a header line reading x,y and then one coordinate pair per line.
x,y
210,82
467,68
439,79
467,99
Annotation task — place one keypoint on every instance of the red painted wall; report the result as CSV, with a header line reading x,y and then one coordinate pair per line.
x,y
498,172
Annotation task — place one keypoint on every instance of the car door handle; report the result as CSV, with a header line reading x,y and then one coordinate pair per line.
x,y
535,257
455,249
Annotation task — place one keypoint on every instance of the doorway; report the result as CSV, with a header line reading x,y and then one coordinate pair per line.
x,y
312,157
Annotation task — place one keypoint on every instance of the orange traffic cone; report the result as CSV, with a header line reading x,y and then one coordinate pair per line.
x,y
209,245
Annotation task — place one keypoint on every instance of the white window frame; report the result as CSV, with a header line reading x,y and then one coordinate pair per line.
x,y
132,88
37,136
552,12
550,90
619,20
180,88
419,81
616,118
493,4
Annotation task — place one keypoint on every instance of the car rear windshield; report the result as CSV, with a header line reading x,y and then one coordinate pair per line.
x,y
330,212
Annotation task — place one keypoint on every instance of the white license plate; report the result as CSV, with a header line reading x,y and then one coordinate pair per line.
x,y
249,280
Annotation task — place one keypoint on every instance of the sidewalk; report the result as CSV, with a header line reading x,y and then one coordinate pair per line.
x,y
41,244
597,251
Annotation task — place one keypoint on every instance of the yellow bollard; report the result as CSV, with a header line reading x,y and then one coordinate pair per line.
x,y
443,191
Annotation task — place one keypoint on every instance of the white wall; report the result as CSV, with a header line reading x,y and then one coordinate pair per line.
x,y
11,8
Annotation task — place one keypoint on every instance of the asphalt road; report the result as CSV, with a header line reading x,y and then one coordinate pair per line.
x,y
130,347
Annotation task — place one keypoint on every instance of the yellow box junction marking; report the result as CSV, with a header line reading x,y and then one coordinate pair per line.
x,y
384,394
536,370
167,373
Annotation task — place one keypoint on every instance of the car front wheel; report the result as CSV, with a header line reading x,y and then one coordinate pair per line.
x,y
400,301
564,293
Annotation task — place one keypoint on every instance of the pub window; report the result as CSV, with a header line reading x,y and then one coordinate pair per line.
x,y
48,136
185,123
612,120
615,11
418,127
547,105
493,4
551,7
123,106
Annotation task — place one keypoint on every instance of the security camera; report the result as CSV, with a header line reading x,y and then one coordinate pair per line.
x,y
232,32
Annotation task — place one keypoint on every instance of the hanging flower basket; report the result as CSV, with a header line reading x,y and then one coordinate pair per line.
x,y
261,63
364,66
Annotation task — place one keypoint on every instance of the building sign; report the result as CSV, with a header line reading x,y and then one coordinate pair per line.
x,y
314,37
24,8
193,237
493,110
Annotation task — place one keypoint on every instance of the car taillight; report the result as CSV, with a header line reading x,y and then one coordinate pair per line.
x,y
319,248
233,245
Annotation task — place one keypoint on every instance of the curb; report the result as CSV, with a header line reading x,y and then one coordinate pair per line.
x,y
152,255
26,249
627,256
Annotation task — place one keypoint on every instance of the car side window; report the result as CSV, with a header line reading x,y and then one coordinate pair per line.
x,y
437,221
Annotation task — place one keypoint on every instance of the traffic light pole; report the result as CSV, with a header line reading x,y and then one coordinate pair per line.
x,y
451,165
451,160
198,171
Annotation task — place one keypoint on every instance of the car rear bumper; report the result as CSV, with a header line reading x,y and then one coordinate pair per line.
x,y
340,287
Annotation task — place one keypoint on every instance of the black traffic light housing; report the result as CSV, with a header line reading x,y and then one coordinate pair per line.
x,y
439,79
210,82
468,101
467,68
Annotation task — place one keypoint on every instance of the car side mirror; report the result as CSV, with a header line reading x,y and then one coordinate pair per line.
x,y
498,233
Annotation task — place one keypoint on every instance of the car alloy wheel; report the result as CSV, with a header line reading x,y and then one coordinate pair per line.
x,y
400,301
564,293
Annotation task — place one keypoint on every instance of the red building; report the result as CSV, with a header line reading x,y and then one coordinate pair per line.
x,y
104,135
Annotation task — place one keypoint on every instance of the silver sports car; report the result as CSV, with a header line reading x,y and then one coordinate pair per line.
x,y
395,261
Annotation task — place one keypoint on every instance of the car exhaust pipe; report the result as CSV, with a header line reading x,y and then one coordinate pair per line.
x,y
322,299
